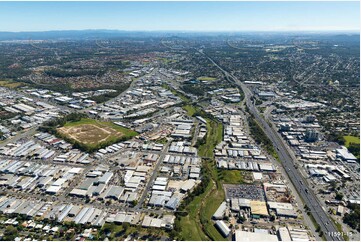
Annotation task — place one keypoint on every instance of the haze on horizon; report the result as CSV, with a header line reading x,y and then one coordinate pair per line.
x,y
180,16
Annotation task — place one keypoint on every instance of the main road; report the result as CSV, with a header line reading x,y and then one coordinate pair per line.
x,y
318,212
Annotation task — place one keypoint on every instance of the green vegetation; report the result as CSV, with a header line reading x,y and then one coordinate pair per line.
x,y
167,61
10,233
177,93
11,84
317,226
213,137
339,229
353,144
105,97
339,196
161,140
87,134
197,209
120,232
213,200
191,110
214,131
5,114
206,78
354,149
51,125
195,89
56,72
353,218
187,224
91,135
351,139
260,137
231,176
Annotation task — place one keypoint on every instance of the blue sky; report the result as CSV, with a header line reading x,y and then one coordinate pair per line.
x,y
193,16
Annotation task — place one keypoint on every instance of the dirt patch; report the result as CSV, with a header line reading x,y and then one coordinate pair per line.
x,y
90,134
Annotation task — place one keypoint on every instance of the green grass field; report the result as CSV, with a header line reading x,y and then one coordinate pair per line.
x,y
190,109
190,224
206,78
231,176
11,84
214,136
214,199
351,139
198,224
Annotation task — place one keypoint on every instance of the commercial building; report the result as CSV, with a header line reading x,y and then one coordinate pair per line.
x,y
223,228
253,237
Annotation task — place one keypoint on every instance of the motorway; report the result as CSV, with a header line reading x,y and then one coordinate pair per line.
x,y
320,215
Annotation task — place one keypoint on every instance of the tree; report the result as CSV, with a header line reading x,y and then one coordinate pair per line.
x,y
10,233
353,218
134,202
241,219
339,196
318,229
354,149
125,226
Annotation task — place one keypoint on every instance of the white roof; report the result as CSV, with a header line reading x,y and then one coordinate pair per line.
x,y
345,154
253,237
257,175
78,192
59,182
75,170
277,205
53,189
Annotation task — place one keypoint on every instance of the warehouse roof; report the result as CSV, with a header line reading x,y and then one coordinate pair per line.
x,y
259,208
220,211
253,237
223,228
78,192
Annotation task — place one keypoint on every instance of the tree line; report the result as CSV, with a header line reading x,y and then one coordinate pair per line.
x,y
259,136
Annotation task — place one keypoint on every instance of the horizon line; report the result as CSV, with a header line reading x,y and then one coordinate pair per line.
x,y
194,31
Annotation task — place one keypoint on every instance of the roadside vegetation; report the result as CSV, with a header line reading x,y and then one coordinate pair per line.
x,y
260,137
353,218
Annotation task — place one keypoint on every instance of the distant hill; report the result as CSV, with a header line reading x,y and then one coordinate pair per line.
x,y
75,34
108,34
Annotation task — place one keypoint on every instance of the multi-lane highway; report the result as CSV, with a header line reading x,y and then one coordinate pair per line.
x,y
318,212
